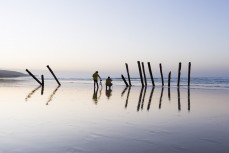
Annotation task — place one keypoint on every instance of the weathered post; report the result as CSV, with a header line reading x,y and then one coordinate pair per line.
x,y
128,74
169,78
143,69
140,72
179,71
43,84
162,79
124,80
151,74
189,73
53,75
33,76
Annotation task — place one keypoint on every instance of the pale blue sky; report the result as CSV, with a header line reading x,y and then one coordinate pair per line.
x,y
88,35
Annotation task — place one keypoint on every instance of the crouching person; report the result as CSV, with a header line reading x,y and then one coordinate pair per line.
x,y
108,83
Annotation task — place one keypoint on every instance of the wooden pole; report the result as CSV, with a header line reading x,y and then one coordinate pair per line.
x,y
53,75
151,74
140,72
143,69
179,72
128,74
189,73
169,78
42,86
124,80
33,76
162,79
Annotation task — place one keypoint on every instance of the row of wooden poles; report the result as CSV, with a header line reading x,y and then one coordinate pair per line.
x,y
142,73
41,83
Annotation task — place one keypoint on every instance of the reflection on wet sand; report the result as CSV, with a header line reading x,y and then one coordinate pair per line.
x,y
178,95
123,92
162,91
142,95
127,97
169,93
95,95
143,98
31,93
52,95
108,93
189,107
140,98
150,98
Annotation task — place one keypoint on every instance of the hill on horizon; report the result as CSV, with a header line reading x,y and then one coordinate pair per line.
x,y
11,74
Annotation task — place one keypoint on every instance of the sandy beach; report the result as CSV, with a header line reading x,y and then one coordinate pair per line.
x,y
72,118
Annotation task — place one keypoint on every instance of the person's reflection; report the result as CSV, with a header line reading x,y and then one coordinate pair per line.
x,y
31,93
150,98
95,96
127,97
140,98
52,95
162,90
178,96
143,99
189,105
108,93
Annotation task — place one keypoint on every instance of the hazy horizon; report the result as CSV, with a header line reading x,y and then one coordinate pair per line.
x,y
77,38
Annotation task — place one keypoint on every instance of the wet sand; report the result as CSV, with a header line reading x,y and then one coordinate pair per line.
x,y
73,118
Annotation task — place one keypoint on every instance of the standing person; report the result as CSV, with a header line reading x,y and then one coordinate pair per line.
x,y
95,78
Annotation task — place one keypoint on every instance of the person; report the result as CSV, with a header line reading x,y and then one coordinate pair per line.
x,y
95,78
108,83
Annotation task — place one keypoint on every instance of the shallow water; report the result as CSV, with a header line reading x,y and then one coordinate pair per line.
x,y
73,118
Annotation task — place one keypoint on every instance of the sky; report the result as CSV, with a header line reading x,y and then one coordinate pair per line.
x,y
78,37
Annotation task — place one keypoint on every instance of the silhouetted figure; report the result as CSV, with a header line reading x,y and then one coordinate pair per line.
x,y
108,83
108,93
95,78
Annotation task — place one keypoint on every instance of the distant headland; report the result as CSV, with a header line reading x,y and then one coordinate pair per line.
x,y
11,74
